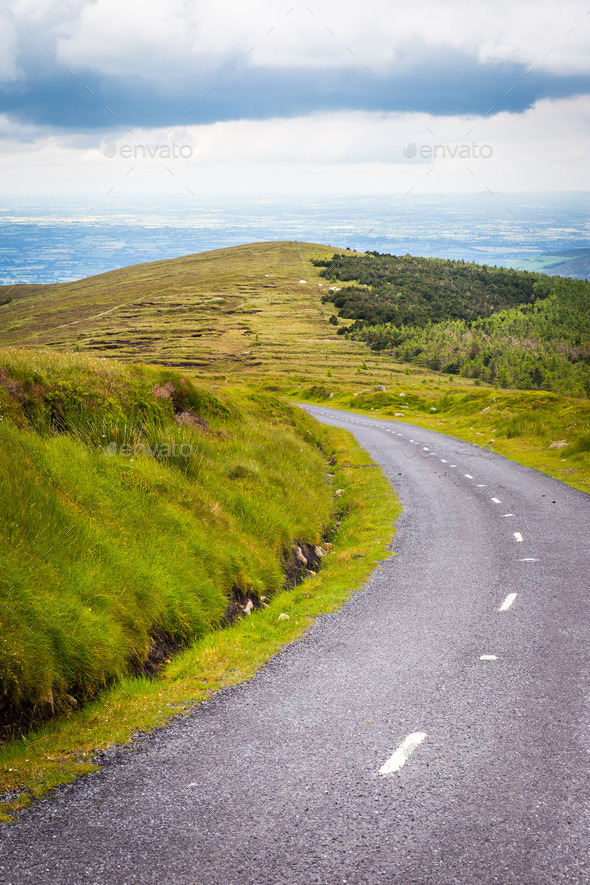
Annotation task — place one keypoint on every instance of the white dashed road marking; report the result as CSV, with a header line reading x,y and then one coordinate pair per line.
x,y
508,602
488,658
504,515
468,476
496,500
529,559
402,754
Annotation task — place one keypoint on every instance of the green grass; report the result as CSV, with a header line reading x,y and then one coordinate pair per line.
x,y
64,749
102,551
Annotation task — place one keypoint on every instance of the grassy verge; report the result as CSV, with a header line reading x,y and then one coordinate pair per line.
x,y
65,749
136,505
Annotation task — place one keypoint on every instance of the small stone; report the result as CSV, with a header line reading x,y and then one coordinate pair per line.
x,y
283,617
558,444
299,555
248,607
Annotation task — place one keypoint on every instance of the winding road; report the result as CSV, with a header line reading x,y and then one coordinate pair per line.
x,y
435,730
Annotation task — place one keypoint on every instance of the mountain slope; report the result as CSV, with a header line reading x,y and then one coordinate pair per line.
x,y
254,315
241,308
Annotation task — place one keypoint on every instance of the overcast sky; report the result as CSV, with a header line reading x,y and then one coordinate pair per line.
x,y
173,97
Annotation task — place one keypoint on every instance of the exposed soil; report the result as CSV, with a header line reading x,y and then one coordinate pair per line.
x,y
238,607
303,560
188,419
161,651
14,722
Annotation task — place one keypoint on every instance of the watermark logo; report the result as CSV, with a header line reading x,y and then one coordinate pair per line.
x,y
160,450
172,151
449,151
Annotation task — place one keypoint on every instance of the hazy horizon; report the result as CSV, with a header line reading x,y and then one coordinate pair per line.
x,y
44,240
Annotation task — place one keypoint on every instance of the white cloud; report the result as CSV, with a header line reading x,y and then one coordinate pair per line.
x,y
160,40
544,149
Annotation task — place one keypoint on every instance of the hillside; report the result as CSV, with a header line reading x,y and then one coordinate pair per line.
x,y
505,327
247,314
255,315
241,310
406,290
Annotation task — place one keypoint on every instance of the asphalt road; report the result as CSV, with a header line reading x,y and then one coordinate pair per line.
x,y
299,775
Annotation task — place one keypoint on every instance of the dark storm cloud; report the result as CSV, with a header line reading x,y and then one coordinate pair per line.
x,y
441,83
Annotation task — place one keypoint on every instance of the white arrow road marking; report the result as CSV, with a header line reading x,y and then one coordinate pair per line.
x,y
403,753
508,602
517,537
488,658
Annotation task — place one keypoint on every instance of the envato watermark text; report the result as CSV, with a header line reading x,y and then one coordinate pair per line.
x,y
171,151
444,151
160,450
